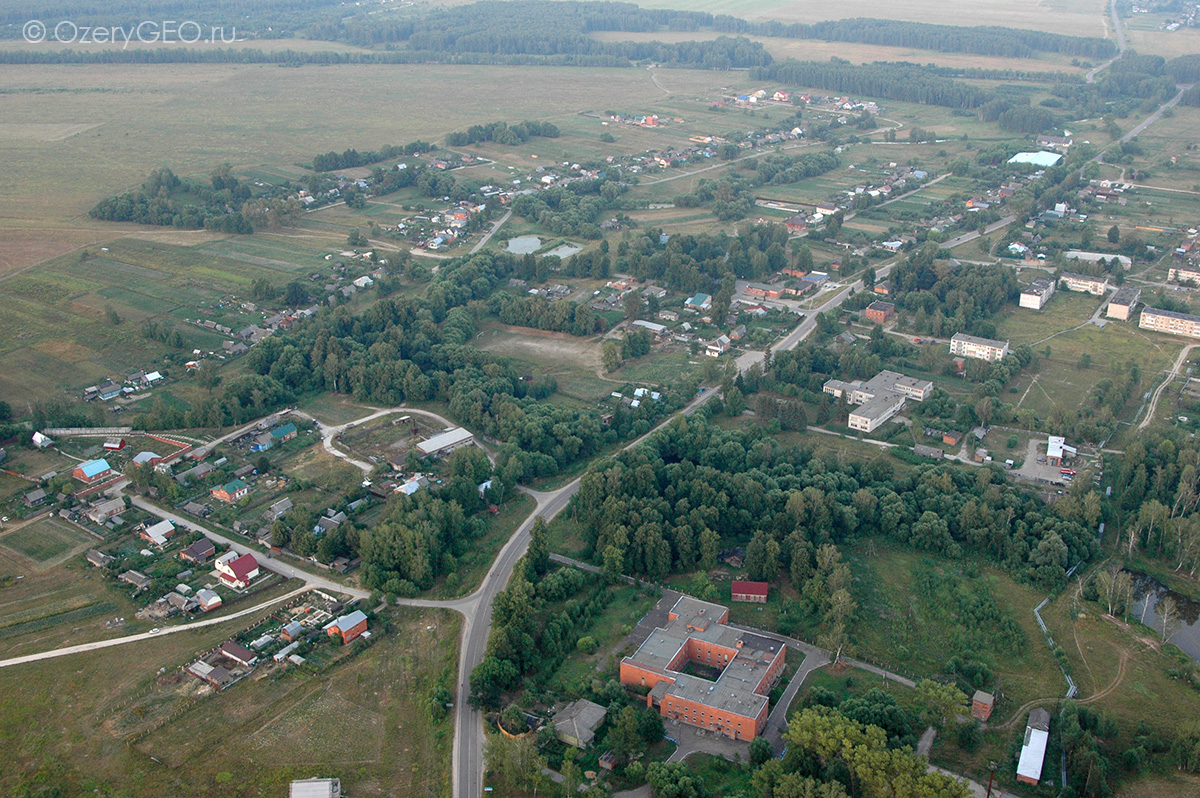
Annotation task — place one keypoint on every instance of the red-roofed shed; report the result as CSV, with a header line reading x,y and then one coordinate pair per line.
x,y
750,591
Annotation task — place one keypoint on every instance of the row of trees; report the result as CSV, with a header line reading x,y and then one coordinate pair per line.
x,y
992,40
502,133
891,81
350,158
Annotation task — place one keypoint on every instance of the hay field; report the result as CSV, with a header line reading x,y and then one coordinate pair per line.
x,y
1079,17
815,50
194,117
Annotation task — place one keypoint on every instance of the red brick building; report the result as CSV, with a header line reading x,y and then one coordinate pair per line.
x,y
697,639
880,312
349,626
981,705
750,591
93,471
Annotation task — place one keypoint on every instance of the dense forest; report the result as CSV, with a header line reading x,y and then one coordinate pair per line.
x,y
948,300
692,490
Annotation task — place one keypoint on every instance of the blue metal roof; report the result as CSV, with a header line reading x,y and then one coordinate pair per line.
x,y
94,468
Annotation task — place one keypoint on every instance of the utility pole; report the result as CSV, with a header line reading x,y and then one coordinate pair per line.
x,y
991,777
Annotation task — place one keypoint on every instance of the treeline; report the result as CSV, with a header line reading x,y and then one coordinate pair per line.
x,y
732,196
674,503
502,133
268,18
1157,509
542,29
158,203
352,158
296,58
831,755
892,81
533,628
990,40
541,314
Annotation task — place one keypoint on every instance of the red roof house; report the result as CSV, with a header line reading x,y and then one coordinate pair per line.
x,y
750,591
239,573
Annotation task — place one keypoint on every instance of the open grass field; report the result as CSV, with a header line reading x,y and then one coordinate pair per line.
x,y
143,117
46,541
573,361
54,335
1059,381
58,600
364,720
901,628
1081,17
816,50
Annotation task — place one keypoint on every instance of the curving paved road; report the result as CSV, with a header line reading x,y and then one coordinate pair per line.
x,y
468,764
476,608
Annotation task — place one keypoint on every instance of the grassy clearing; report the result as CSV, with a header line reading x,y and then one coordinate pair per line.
x,y
1121,667
364,720
46,539
628,605
332,409
917,637
573,361
847,682
1059,380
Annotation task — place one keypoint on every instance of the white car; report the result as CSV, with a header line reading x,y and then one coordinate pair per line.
x,y
154,631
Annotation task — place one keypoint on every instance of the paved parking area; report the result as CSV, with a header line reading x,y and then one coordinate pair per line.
x,y
1038,472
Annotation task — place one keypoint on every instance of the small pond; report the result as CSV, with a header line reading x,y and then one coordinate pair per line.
x,y
565,251
1147,593
523,245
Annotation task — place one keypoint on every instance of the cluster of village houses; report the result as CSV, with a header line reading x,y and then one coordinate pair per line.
x,y
278,640
780,97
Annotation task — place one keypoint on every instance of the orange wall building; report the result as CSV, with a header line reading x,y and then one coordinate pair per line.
x,y
697,639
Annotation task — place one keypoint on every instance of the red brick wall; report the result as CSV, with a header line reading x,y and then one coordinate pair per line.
x,y
739,727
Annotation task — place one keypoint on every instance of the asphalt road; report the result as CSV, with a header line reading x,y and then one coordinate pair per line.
x,y
468,764
974,234
488,237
